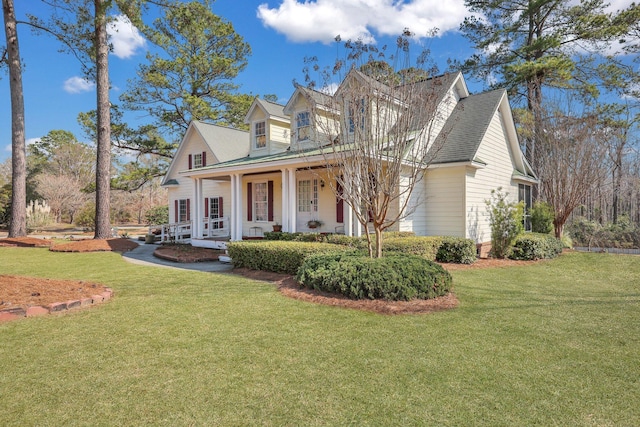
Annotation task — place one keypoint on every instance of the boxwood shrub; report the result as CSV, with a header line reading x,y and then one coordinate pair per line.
x,y
275,256
425,247
532,246
394,277
456,250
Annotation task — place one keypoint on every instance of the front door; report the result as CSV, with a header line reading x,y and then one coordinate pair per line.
x,y
307,202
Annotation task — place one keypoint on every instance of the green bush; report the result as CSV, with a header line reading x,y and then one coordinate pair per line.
x,y
542,218
457,250
425,247
532,246
157,215
279,257
281,235
349,241
356,276
86,216
506,222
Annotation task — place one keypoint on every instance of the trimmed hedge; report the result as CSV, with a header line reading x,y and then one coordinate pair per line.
x,y
457,250
425,247
278,257
532,246
394,277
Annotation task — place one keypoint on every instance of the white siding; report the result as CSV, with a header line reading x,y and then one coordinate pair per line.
x,y
443,204
279,136
494,151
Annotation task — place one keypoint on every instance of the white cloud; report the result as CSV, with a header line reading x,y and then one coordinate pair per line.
x,y
78,84
7,148
322,20
124,37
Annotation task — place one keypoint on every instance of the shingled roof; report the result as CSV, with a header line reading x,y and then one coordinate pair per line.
x,y
466,126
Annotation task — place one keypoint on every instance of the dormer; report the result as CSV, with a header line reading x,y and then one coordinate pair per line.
x,y
307,108
269,128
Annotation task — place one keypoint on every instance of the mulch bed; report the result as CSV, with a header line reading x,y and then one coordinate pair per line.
x,y
186,253
25,242
115,244
288,286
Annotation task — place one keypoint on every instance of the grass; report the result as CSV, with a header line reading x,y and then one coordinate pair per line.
x,y
555,343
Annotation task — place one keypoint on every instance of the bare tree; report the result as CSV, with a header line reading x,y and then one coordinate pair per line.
x,y
572,154
62,193
377,138
18,222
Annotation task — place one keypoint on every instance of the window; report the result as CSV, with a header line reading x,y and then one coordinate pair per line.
x,y
197,160
356,115
524,195
183,211
303,126
214,211
261,134
261,201
308,195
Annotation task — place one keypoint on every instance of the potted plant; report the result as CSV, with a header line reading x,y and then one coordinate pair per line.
x,y
314,223
277,227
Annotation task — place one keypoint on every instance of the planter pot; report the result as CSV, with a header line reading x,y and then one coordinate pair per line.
x,y
277,228
150,238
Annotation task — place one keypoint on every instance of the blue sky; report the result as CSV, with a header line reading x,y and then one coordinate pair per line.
x,y
281,33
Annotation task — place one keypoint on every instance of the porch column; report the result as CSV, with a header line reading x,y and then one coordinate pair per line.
x,y
238,211
232,211
357,227
196,214
293,200
348,219
285,200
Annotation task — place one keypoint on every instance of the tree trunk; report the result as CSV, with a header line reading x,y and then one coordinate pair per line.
x,y
103,163
18,221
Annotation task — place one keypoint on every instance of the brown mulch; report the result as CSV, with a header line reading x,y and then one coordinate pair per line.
x,y
95,245
288,286
25,242
186,253
22,291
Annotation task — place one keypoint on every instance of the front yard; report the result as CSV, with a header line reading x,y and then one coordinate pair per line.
x,y
552,343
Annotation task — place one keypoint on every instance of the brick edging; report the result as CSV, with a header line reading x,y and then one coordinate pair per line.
x,y
15,313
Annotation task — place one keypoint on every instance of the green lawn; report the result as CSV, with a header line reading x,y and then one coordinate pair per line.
x,y
556,343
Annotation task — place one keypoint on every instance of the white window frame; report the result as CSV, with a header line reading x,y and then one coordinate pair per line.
x,y
351,124
258,203
197,160
260,138
303,125
214,211
182,210
308,204
524,194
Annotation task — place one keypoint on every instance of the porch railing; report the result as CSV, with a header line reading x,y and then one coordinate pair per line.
x,y
215,227
179,232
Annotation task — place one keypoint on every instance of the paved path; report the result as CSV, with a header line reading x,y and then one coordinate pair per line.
x,y
143,255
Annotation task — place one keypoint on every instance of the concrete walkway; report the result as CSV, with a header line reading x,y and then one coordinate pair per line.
x,y
143,255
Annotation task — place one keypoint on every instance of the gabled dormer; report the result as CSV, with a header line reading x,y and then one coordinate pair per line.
x,y
269,128
307,108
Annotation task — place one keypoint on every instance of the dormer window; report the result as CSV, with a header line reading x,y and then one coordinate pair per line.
x,y
260,129
356,114
303,126
197,160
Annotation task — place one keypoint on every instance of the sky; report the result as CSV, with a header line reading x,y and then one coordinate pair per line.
x,y
281,34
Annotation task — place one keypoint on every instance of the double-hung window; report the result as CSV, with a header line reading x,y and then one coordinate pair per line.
x,y
261,201
183,215
197,160
260,130
524,195
356,113
303,125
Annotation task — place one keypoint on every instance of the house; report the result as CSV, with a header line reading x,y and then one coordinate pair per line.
x,y
229,183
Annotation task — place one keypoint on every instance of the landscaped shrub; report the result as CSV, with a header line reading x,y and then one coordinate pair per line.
x,y
532,246
279,257
350,241
281,235
623,234
157,215
456,250
506,222
393,277
542,218
425,247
